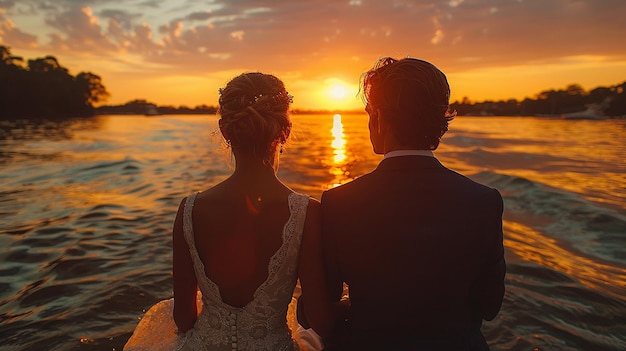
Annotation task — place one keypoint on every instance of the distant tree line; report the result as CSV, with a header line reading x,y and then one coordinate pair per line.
x,y
138,107
610,100
42,88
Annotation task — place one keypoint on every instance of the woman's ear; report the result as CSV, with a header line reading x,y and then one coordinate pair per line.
x,y
224,134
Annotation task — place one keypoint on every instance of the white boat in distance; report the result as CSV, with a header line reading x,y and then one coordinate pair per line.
x,y
152,110
593,111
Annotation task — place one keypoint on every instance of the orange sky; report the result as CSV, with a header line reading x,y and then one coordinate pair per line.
x,y
179,52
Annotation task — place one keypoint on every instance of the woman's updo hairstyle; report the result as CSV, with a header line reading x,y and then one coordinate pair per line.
x,y
254,114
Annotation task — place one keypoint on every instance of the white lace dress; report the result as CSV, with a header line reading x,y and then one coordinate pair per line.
x,y
260,325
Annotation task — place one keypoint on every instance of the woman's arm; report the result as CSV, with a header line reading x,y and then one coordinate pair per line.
x,y
185,282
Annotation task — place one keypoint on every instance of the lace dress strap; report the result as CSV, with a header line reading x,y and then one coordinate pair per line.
x,y
203,282
188,222
187,219
298,206
282,266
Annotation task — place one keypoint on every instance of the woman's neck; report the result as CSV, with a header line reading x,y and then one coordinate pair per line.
x,y
246,164
258,184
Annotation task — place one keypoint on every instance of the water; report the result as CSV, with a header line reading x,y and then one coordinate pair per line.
x,y
87,205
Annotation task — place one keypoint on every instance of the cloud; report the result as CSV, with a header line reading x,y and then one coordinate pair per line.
x,y
199,16
200,34
124,18
80,31
438,37
142,41
6,4
10,34
150,3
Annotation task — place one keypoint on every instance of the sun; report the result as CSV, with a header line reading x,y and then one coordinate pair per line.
x,y
338,94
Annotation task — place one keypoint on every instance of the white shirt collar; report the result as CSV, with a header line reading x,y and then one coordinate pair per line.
x,y
397,153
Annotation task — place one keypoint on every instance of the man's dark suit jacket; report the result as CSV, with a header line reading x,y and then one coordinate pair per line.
x,y
421,249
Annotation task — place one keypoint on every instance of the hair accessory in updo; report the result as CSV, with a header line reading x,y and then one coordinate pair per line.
x,y
279,97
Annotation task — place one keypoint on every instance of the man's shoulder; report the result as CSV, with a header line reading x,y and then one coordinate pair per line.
x,y
471,182
358,184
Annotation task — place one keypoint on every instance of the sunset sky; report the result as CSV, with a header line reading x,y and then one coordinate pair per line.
x,y
179,52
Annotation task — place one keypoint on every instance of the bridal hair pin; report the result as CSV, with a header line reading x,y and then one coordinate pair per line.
x,y
281,96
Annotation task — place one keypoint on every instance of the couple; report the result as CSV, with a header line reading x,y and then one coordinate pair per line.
x,y
419,246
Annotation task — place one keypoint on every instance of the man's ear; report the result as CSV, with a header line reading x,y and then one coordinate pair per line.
x,y
381,121
374,121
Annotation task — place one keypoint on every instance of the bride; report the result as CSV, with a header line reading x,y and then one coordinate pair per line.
x,y
244,243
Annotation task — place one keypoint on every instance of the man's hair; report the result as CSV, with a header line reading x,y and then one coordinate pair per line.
x,y
415,98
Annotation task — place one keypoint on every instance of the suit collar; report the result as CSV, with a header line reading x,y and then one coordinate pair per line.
x,y
397,153
409,162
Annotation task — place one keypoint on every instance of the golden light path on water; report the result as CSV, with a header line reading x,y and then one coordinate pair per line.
x,y
339,140
338,145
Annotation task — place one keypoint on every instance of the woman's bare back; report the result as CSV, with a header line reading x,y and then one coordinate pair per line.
x,y
238,229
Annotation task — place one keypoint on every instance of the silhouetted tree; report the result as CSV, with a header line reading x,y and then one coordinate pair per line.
x,y
11,74
598,94
91,87
44,88
573,99
617,104
8,60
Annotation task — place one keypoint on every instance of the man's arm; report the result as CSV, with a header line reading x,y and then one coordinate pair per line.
x,y
318,311
333,282
330,249
488,288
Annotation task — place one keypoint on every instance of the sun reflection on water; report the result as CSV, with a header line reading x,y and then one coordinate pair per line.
x,y
339,140
340,158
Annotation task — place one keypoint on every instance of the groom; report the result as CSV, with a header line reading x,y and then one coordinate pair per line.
x,y
419,245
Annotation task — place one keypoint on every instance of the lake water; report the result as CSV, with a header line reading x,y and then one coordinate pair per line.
x,y
86,209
